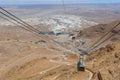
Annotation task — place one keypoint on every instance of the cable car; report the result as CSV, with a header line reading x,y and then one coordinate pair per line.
x,y
80,66
73,38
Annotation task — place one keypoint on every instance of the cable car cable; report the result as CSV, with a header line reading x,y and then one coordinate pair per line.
x,y
15,20
105,35
18,19
22,24
64,8
101,42
12,22
29,26
17,25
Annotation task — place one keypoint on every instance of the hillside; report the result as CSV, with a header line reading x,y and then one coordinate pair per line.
x,y
106,60
24,56
99,30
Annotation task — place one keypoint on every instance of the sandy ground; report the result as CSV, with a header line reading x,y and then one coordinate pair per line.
x,y
23,56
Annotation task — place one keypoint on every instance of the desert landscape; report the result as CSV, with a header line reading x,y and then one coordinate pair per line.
x,y
50,49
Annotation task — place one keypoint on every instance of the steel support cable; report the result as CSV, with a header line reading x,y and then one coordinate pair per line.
x,y
63,4
20,26
37,34
100,37
101,42
15,23
104,35
19,19
16,20
29,26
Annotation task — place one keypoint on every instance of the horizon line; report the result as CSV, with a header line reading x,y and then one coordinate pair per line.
x,y
53,3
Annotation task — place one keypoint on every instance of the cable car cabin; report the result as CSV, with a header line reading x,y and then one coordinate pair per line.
x,y
73,38
80,66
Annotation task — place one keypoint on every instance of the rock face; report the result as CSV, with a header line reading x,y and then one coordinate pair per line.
x,y
106,60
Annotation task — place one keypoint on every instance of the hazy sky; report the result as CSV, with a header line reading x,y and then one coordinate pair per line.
x,y
55,1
